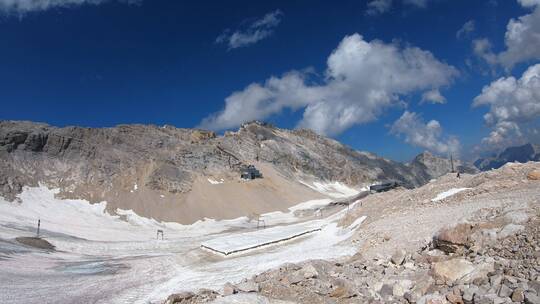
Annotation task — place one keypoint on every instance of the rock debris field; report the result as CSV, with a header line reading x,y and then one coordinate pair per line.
x,y
479,245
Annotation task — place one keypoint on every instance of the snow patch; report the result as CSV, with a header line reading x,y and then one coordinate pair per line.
x,y
335,189
448,193
215,182
357,222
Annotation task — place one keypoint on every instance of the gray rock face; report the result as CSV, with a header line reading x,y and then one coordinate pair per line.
x,y
430,166
88,162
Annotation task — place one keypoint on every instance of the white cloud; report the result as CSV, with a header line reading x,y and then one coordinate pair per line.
x,y
363,79
255,32
425,135
433,96
529,3
512,102
522,40
467,28
26,6
376,7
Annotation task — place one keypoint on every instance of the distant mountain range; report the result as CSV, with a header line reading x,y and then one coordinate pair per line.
x,y
522,154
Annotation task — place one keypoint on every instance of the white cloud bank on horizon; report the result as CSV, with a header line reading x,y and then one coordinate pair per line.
x,y
362,80
26,6
522,40
512,102
255,32
425,135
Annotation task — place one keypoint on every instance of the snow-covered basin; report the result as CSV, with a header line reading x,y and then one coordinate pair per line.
x,y
124,261
448,193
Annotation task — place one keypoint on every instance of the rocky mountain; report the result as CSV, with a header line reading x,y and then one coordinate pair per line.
x,y
183,175
428,166
521,154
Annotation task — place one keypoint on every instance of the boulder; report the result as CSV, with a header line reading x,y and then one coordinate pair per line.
x,y
452,270
505,291
309,272
453,239
398,257
342,292
531,298
179,297
248,286
468,294
509,230
534,175
401,287
454,299
293,278
518,295
228,289
480,272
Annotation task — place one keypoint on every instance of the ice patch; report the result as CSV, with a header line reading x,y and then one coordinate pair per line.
x,y
358,222
313,204
448,193
215,182
335,189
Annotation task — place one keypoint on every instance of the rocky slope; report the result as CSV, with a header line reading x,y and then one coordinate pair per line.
x,y
481,245
522,154
167,173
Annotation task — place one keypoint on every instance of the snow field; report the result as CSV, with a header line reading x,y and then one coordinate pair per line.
x,y
120,253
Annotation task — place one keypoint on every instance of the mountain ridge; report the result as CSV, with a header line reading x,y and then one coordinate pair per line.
x,y
522,154
136,166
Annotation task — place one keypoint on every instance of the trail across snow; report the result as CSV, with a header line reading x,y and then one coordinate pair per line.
x,y
103,258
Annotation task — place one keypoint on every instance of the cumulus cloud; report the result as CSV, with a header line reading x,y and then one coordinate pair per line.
x,y
467,28
362,80
512,102
25,6
433,96
483,49
522,40
425,135
253,33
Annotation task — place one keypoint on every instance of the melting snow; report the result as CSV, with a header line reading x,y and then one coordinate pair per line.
x,y
335,189
90,240
215,182
448,193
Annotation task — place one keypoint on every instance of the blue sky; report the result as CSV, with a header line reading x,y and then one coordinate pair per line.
x,y
102,63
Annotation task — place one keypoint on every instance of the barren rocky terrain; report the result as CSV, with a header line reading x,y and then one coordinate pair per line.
x,y
184,175
477,245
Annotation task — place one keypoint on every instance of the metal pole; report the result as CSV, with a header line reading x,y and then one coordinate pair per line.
x,y
38,224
